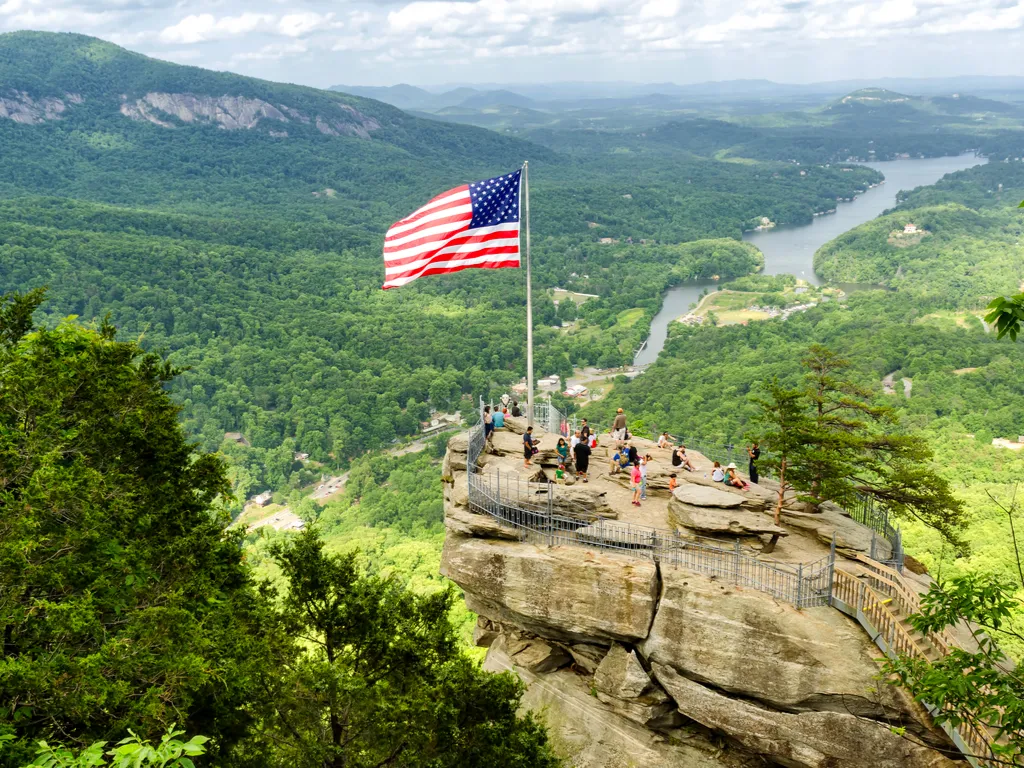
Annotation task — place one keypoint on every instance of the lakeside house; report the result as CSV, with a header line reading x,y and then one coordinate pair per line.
x,y
910,229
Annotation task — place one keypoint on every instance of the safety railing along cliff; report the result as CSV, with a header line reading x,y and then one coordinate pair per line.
x,y
534,510
874,593
863,509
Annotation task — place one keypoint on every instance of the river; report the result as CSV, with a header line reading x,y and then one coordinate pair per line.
x,y
790,249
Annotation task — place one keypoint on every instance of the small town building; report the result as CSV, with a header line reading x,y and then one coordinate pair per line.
x,y
910,229
237,437
262,499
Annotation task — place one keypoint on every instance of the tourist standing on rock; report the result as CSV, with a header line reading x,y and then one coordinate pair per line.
x,y
488,424
585,431
574,441
619,425
498,420
528,447
643,476
582,455
755,453
515,409
635,479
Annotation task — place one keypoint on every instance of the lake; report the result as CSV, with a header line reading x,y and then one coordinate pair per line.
x,y
791,248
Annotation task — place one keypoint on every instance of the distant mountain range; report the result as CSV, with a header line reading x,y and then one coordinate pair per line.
x,y
581,94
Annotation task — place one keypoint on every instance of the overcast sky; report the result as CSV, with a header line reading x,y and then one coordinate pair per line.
x,y
382,42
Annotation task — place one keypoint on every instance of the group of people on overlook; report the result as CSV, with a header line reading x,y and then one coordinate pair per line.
x,y
626,457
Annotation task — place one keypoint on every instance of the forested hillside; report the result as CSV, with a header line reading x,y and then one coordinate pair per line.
x,y
253,257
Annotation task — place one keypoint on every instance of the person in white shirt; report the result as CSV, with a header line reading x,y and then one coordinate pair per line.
x,y
663,441
643,476
718,474
575,439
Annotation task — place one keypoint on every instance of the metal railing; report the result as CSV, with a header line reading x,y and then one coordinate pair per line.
x,y
540,517
863,510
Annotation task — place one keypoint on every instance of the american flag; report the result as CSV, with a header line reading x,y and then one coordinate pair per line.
x,y
472,226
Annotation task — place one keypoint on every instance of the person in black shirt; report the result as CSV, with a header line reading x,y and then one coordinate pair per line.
x,y
582,455
755,453
585,431
515,409
528,447
634,455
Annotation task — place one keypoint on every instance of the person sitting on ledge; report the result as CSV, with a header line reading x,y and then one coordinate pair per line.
x,y
498,419
733,479
717,473
560,474
663,441
562,449
684,460
633,453
672,482
515,409
615,463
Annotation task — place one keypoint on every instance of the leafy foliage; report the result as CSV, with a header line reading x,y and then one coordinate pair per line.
x,y
130,752
384,681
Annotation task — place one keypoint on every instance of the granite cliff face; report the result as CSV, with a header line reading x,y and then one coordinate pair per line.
x,y
171,110
634,662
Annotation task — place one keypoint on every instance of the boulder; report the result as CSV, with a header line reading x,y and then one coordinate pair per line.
x,y
533,653
746,643
460,520
716,520
586,732
566,593
622,683
704,496
457,491
622,675
802,739
485,632
587,657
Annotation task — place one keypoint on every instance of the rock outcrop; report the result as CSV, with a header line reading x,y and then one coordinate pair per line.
x,y
240,113
22,108
634,662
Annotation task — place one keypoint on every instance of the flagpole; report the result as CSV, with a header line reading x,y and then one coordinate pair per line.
x,y
529,301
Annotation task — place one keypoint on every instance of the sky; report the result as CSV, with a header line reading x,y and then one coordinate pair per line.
x,y
430,42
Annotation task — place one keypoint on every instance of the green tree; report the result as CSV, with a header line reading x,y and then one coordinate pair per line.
x,y
845,446
123,601
783,426
382,680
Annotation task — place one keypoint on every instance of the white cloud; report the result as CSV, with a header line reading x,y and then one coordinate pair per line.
x,y
299,24
205,27
273,52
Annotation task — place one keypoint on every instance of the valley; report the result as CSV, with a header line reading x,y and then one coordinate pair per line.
x,y
227,231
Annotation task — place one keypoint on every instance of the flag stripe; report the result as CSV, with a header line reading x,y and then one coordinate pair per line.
x,y
451,197
457,253
430,234
460,205
486,261
469,236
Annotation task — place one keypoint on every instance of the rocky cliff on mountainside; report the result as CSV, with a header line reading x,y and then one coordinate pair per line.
x,y
170,110
633,662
